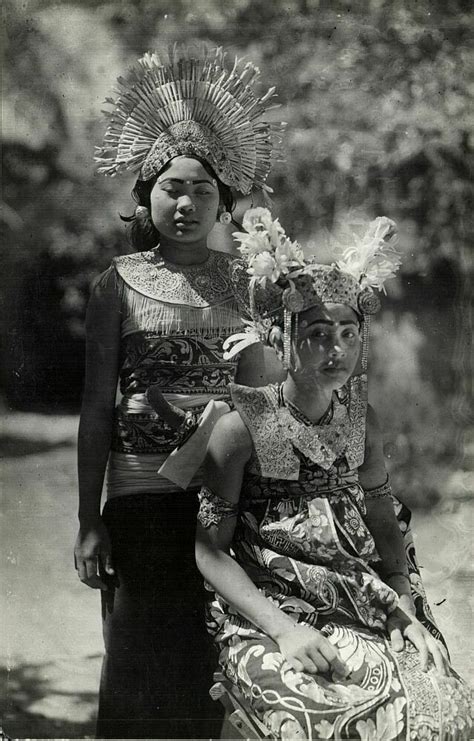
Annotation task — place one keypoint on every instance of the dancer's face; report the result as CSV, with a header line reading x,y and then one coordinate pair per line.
x,y
328,346
184,202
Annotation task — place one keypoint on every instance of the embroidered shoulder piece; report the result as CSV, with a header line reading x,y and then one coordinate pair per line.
x,y
258,408
355,451
213,509
379,492
196,286
276,433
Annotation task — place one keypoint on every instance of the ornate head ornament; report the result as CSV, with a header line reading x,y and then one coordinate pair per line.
x,y
283,283
190,104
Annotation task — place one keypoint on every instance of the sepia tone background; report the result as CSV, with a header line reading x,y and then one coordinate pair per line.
x,y
376,96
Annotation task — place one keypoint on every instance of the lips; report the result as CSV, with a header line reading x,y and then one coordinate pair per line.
x,y
334,367
185,222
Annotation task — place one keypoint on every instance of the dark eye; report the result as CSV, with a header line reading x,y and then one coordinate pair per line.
x,y
319,334
350,334
204,192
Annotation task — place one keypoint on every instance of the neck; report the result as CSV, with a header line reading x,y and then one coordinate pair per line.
x,y
184,254
314,403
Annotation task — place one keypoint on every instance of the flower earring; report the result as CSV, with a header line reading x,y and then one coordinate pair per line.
x,y
141,213
225,217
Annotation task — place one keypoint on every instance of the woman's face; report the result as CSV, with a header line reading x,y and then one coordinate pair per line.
x,y
184,202
328,346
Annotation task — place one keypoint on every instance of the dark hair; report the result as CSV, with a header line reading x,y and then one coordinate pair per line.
x,y
142,233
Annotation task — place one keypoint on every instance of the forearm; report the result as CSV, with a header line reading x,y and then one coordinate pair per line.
x,y
232,583
95,432
383,525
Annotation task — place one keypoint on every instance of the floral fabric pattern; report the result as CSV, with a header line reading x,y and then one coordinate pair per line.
x,y
305,545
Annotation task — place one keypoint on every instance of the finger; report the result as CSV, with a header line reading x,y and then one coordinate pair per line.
x,y
320,663
94,582
81,570
306,661
93,579
437,657
107,562
396,639
327,650
333,657
418,640
444,651
295,663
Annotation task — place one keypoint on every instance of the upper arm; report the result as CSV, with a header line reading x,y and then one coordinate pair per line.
x,y
228,451
258,366
251,366
373,473
103,322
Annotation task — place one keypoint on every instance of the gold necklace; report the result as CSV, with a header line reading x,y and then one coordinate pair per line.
x,y
300,416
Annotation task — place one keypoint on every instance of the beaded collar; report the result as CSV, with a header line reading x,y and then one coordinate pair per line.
x,y
206,284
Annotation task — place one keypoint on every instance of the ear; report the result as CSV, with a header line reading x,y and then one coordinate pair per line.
x,y
275,340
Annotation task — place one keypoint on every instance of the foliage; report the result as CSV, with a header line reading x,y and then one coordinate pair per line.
x,y
376,94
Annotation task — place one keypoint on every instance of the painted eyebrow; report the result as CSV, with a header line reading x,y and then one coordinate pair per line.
x,y
329,322
181,182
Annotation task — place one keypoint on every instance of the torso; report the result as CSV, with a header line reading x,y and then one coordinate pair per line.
x,y
301,534
174,322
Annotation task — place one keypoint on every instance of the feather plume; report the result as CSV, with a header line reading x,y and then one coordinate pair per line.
x,y
371,259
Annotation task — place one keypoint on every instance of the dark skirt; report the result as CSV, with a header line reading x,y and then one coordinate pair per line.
x,y
159,659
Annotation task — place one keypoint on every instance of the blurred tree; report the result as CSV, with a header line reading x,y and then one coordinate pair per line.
x,y
377,97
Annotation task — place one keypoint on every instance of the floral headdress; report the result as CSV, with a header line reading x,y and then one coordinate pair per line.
x,y
283,283
190,104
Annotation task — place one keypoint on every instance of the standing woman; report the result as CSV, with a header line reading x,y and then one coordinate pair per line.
x,y
159,317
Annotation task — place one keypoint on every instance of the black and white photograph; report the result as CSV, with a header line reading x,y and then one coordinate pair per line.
x,y
236,381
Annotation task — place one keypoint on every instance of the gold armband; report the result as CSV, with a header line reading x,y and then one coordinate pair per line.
x,y
213,509
379,492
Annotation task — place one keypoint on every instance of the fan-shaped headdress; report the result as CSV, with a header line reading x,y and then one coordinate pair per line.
x,y
191,105
283,283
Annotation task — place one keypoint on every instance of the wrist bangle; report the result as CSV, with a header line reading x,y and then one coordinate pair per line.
x,y
397,573
379,491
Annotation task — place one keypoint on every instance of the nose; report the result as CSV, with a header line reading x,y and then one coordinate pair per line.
x,y
337,351
185,205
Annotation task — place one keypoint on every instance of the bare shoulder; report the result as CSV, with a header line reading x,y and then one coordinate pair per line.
x,y
230,438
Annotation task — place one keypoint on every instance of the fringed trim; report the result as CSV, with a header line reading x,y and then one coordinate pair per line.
x,y
142,313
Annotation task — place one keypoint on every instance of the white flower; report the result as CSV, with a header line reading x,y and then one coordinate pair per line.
x,y
257,219
288,255
381,228
252,244
263,266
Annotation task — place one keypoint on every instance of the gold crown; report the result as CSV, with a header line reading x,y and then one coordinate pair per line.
x,y
191,105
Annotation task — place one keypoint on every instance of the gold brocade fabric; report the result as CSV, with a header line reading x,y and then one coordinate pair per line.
x,y
302,539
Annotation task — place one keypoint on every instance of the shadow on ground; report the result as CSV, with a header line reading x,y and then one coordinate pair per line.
x,y
26,686
18,447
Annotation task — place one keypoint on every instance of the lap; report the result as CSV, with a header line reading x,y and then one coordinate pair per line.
x,y
384,695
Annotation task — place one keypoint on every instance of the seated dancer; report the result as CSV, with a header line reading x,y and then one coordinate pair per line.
x,y
311,607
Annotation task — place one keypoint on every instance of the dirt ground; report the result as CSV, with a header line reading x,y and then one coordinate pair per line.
x,y
51,647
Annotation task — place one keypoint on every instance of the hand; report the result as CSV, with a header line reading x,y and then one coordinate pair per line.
x,y
91,551
306,649
401,626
